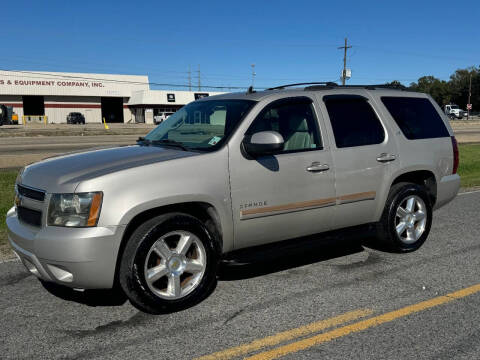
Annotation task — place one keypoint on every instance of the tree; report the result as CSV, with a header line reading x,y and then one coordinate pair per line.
x,y
438,89
459,84
396,83
453,91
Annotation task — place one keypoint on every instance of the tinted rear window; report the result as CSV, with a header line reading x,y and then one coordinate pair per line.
x,y
416,117
353,120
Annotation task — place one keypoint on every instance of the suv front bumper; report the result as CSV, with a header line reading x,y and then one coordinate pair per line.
x,y
76,257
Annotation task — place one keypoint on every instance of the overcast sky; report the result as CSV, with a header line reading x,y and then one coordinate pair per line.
x,y
288,41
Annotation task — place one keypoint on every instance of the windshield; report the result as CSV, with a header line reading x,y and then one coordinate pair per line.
x,y
454,106
202,125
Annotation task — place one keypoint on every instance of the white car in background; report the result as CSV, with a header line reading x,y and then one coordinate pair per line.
x,y
157,119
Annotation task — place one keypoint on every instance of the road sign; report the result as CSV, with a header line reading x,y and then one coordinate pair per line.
x,y
469,106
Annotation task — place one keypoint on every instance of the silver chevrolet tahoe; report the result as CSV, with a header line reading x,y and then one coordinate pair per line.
x,y
230,172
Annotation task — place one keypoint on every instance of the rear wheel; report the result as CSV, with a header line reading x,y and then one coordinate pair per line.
x,y
406,219
169,264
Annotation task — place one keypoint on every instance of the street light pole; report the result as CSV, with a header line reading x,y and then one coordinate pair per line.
x,y
253,74
469,96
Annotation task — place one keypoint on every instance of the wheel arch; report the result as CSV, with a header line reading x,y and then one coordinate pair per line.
x,y
205,212
422,177
416,175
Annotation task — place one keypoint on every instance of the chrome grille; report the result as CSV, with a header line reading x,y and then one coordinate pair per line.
x,y
34,194
29,205
29,216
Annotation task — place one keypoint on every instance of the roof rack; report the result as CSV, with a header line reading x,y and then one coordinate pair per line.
x,y
324,83
368,87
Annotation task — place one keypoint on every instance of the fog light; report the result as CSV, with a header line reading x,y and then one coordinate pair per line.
x,y
60,274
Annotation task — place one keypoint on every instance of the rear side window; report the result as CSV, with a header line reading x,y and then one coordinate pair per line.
x,y
353,120
416,117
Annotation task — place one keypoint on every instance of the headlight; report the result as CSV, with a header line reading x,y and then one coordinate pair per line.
x,y
18,180
19,176
75,210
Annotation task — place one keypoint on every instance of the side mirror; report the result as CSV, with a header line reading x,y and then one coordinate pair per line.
x,y
263,143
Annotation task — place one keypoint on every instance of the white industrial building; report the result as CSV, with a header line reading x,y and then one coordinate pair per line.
x,y
115,98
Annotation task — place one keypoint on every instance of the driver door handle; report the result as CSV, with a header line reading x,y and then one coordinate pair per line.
x,y
384,157
317,167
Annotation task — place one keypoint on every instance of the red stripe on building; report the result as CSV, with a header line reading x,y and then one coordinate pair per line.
x,y
13,104
64,106
73,106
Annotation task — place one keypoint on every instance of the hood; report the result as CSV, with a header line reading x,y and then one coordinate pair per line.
x,y
64,173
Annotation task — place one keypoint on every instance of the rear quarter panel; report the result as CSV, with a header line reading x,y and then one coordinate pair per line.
x,y
434,155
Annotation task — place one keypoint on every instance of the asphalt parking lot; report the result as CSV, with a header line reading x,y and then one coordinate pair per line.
x,y
360,303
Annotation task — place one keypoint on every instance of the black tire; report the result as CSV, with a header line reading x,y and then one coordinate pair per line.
x,y
386,227
132,277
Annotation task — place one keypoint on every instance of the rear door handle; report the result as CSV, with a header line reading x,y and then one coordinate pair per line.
x,y
317,167
384,157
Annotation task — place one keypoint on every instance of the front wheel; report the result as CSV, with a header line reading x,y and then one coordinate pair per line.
x,y
406,219
169,264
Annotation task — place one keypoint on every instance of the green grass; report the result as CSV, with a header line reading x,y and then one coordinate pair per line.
x,y
7,194
469,170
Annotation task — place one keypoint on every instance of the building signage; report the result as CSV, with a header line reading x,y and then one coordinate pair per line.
x,y
70,84
171,97
63,83
200,95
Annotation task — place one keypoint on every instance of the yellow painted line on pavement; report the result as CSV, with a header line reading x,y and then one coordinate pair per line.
x,y
364,324
287,335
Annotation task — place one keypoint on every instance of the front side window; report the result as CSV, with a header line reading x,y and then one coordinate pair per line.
x,y
353,120
416,117
294,119
202,125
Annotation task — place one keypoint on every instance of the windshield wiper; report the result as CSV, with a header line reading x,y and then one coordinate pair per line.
x,y
169,142
141,139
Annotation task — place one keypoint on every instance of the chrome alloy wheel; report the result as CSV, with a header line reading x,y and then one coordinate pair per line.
x,y
175,265
411,219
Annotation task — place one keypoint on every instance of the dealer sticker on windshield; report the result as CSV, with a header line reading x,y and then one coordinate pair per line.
x,y
214,140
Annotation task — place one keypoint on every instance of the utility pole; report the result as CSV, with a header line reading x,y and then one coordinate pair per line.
x,y
189,79
253,74
199,82
469,95
344,73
